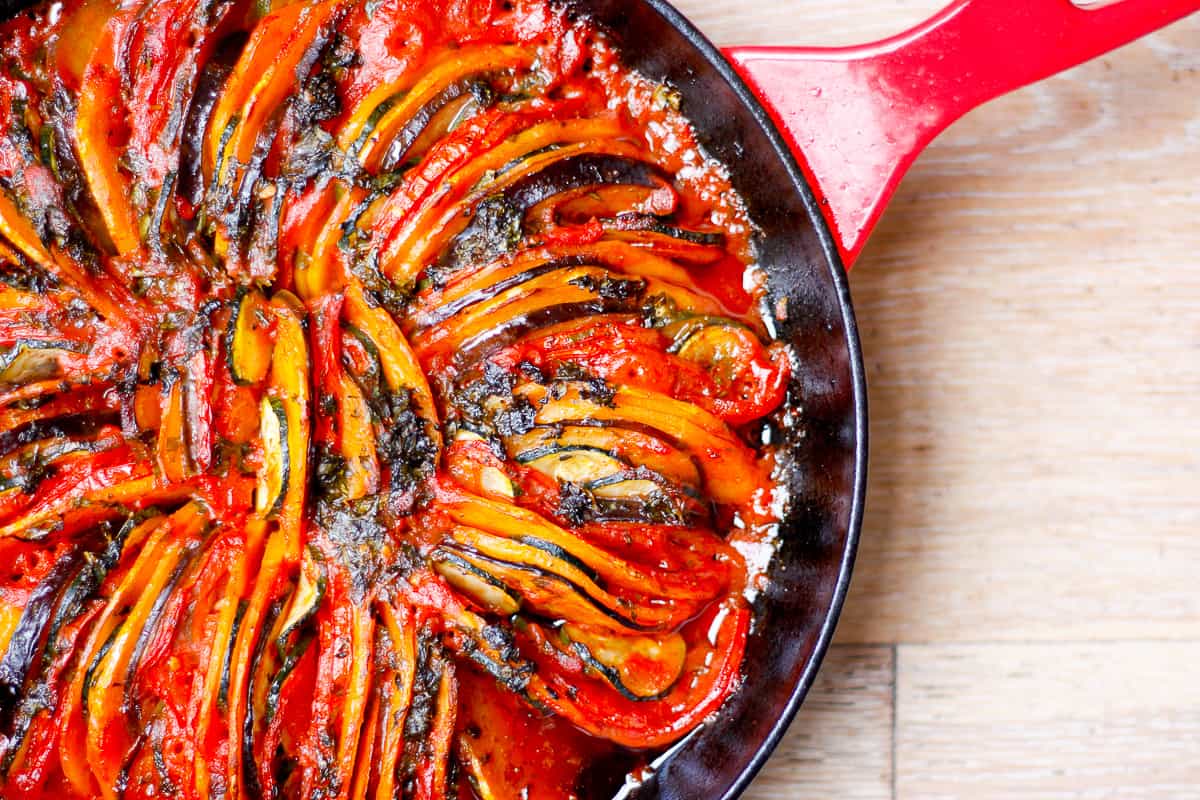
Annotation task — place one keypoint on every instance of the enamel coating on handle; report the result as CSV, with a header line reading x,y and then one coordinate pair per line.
x,y
858,116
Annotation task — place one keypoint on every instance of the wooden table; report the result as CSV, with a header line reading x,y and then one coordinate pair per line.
x,y
1025,616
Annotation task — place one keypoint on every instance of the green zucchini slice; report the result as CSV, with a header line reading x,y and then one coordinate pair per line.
x,y
639,667
274,474
474,582
248,339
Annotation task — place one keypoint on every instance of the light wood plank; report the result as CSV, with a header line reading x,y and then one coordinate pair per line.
x,y
840,744
1031,317
1053,721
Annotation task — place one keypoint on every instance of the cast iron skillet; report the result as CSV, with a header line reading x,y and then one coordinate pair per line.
x,y
860,116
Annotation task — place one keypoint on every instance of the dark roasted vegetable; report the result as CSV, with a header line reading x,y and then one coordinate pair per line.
x,y
29,637
209,85
498,223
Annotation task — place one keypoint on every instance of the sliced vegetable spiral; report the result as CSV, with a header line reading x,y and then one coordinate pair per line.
x,y
372,411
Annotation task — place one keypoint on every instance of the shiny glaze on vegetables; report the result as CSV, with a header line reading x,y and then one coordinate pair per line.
x,y
378,384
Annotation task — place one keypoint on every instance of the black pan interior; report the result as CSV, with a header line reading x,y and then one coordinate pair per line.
x,y
826,450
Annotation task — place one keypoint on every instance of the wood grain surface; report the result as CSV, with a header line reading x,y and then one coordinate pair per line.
x,y
1025,616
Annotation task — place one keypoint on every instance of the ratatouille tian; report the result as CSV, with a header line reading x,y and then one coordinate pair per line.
x,y
382,399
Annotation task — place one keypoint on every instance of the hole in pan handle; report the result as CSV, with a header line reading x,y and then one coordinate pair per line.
x,y
858,116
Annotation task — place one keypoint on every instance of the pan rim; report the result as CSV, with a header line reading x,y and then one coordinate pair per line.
x,y
783,152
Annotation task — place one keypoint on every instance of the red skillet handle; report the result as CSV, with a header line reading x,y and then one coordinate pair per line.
x,y
859,116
